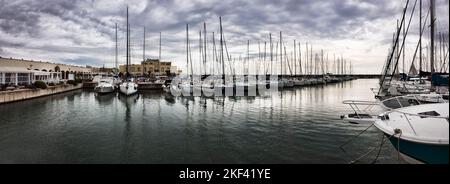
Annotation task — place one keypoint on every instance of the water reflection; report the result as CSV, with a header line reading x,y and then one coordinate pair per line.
x,y
105,99
299,125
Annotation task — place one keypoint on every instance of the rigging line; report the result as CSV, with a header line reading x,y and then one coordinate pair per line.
x,y
418,44
391,55
404,40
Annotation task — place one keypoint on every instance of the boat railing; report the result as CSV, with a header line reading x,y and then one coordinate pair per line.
x,y
407,116
362,107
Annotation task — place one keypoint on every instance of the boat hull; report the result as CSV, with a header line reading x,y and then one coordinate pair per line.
x,y
104,90
426,153
128,88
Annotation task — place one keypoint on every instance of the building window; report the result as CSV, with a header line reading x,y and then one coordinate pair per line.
x,y
10,77
1,78
22,78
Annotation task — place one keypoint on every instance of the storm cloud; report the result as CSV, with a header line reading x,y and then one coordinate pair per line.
x,y
82,32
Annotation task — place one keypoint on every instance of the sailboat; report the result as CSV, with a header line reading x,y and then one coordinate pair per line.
x,y
128,87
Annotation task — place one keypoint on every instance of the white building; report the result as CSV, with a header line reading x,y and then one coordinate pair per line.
x,y
20,76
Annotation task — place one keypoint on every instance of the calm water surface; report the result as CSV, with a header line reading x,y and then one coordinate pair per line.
x,y
293,126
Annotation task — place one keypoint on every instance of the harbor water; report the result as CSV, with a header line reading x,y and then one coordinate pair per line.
x,y
299,125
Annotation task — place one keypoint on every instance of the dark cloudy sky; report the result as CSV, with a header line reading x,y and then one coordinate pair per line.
x,y
81,32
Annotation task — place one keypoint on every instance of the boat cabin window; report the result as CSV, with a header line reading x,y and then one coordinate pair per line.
x,y
400,102
406,102
392,103
427,114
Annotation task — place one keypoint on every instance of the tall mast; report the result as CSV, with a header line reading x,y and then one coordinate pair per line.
x,y
432,34
420,38
117,68
403,50
321,53
200,50
334,64
128,42
259,57
311,58
204,45
271,55
143,50
307,59
397,55
248,57
221,50
300,58
281,53
214,52
265,51
295,59
159,47
187,49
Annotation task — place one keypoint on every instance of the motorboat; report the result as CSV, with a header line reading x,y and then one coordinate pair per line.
x,y
105,85
366,112
419,132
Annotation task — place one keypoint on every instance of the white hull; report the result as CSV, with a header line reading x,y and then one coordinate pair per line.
x,y
128,88
106,85
104,89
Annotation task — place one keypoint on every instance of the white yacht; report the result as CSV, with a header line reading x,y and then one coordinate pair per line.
x,y
105,85
419,132
366,112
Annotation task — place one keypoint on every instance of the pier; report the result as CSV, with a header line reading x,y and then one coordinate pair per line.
x,y
25,94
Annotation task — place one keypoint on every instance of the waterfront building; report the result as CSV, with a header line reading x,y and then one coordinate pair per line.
x,y
151,67
23,72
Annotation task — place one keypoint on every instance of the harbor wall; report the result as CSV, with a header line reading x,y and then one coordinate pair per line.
x,y
24,94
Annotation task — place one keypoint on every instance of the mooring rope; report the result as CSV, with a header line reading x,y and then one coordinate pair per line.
x,y
379,150
373,149
398,131
353,138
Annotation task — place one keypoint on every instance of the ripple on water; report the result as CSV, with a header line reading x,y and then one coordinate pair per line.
x,y
294,126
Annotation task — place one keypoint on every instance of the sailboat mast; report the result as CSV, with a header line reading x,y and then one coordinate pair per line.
x,y
295,59
143,50
307,59
128,42
221,50
159,57
200,50
265,51
432,34
420,38
214,53
281,53
403,50
271,53
300,57
117,68
248,57
204,45
187,49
